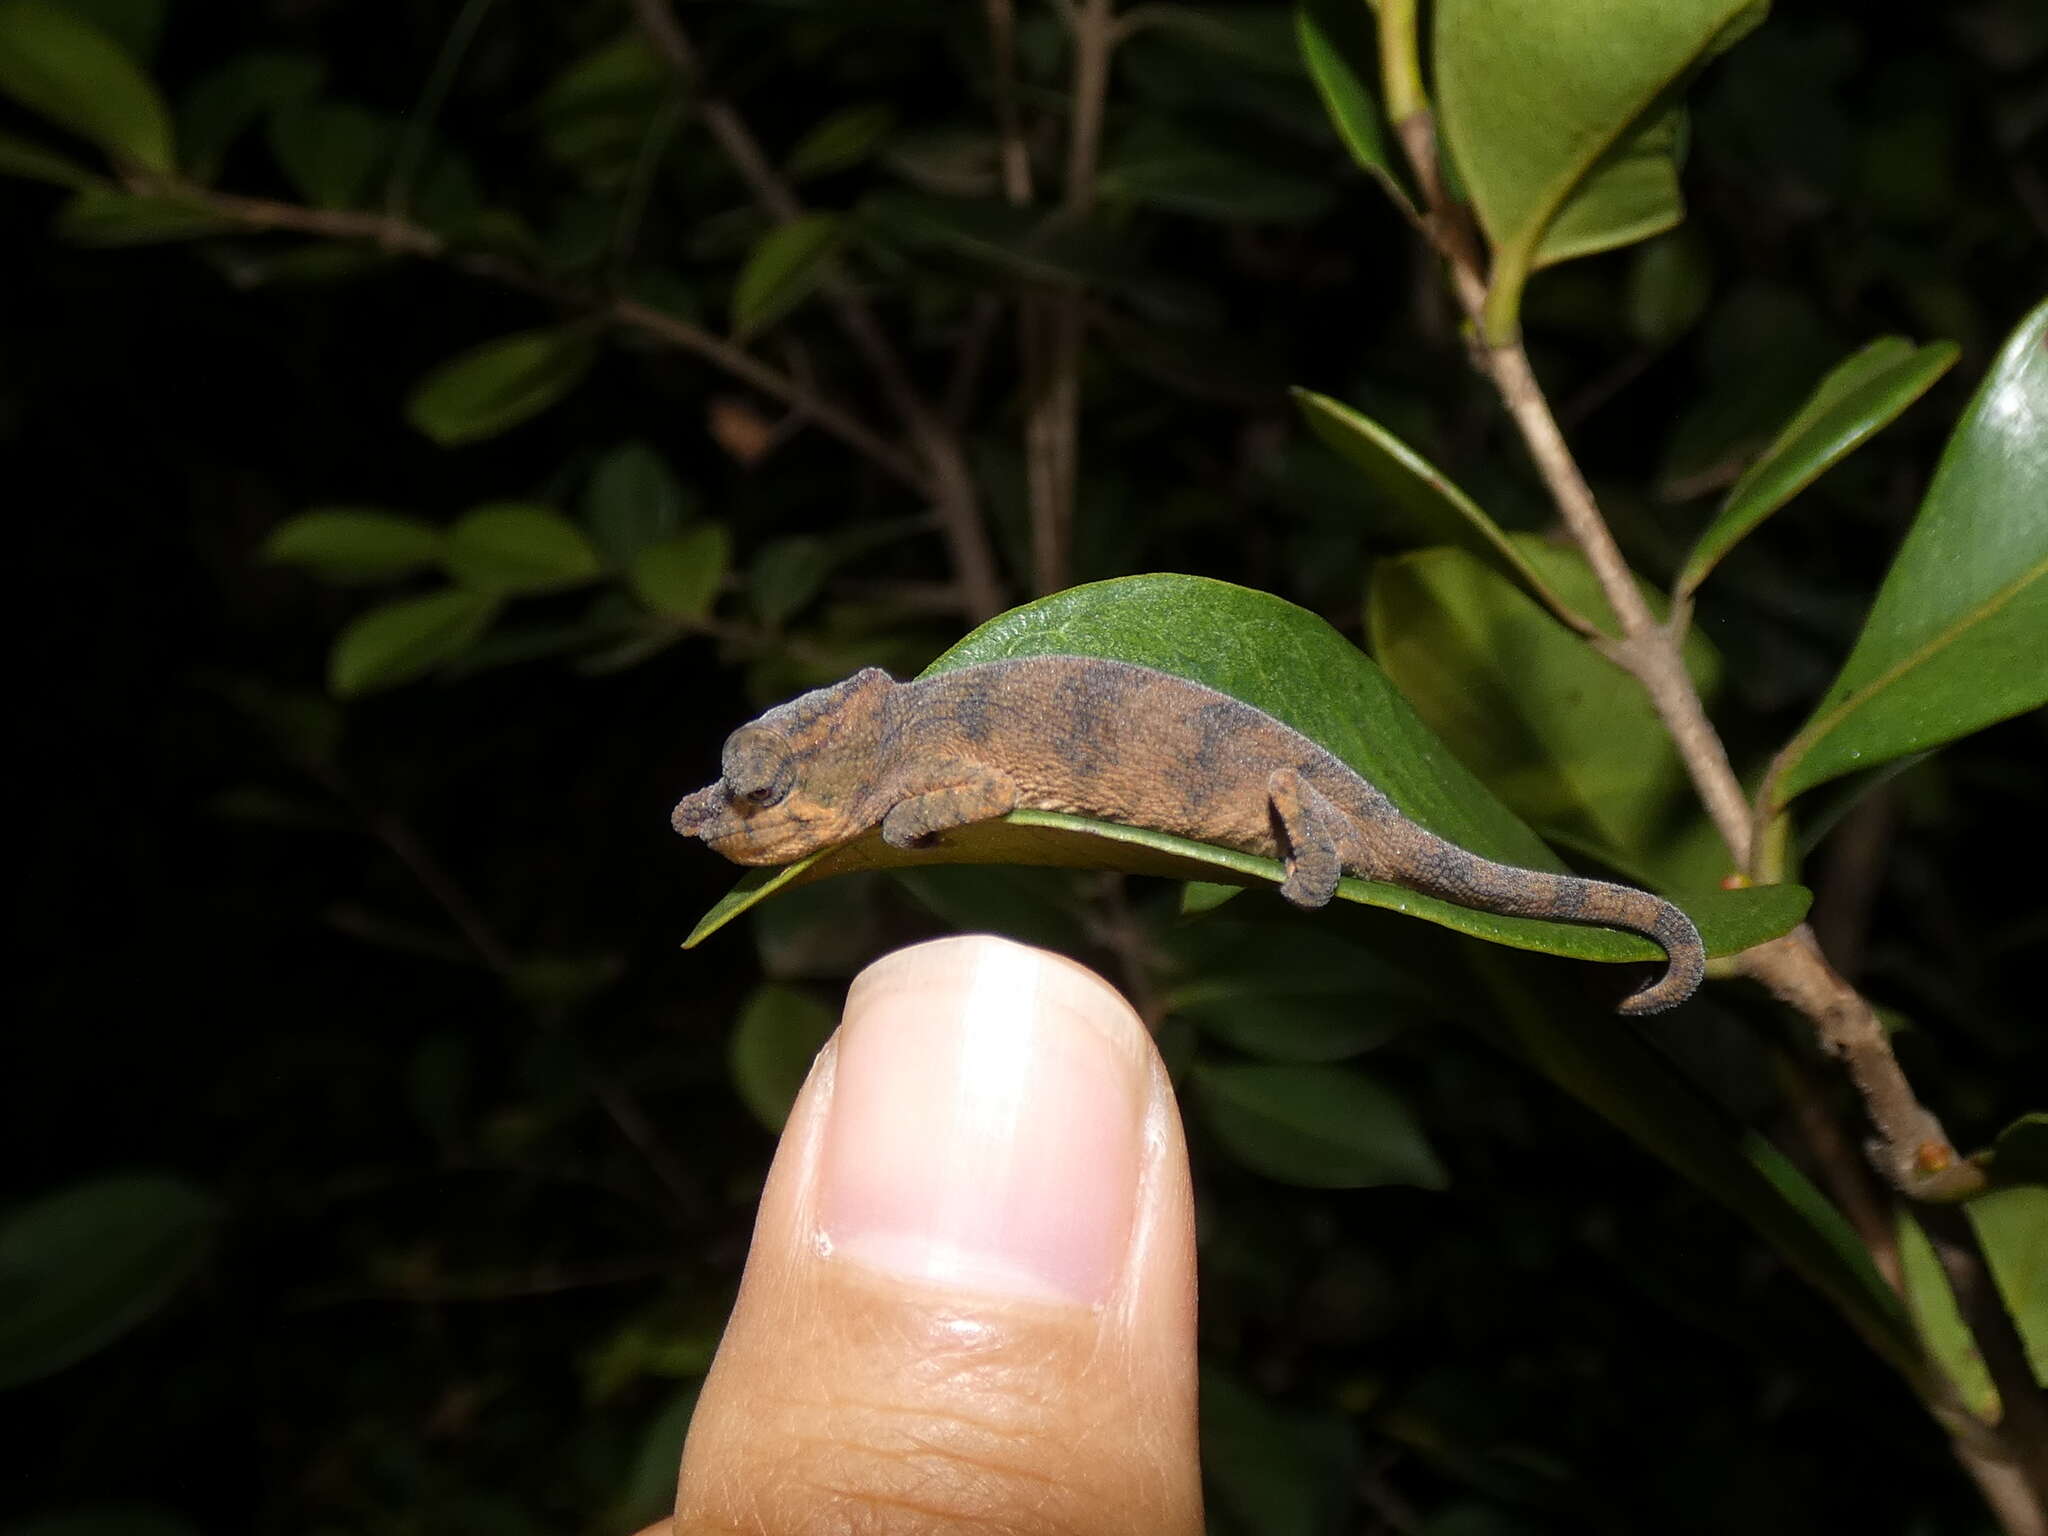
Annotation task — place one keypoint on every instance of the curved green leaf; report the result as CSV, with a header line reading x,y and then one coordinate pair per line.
x,y
1538,100
1317,1126
21,157
1670,282
2012,1227
355,543
491,388
841,141
770,1049
1956,638
1630,195
1289,992
71,72
1566,738
1629,1082
508,547
81,1267
397,642
782,270
1336,42
1856,401
1435,510
633,500
681,576
1293,665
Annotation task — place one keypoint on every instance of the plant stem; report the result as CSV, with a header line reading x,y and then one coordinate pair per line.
x,y
1056,324
948,477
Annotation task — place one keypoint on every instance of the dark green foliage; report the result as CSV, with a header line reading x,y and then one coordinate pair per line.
x,y
381,1163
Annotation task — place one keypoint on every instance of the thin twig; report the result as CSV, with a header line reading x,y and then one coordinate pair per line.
x,y
1913,1149
949,480
1058,322
404,237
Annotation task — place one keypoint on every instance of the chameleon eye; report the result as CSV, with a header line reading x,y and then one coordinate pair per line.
x,y
758,766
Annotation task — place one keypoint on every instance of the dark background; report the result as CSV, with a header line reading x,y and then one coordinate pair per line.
x,y
476,1231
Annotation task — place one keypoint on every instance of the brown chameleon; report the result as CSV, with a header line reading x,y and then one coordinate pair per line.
x,y
1121,743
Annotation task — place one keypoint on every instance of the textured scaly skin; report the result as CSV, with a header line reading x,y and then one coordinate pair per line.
x,y
1127,744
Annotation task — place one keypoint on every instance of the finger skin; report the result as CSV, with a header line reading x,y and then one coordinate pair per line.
x,y
853,1396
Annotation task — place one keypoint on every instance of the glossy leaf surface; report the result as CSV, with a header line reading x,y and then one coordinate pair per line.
x,y
1336,45
1432,506
1541,100
1858,399
1565,737
1958,636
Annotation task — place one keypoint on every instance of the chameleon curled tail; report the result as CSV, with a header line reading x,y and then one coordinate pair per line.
x,y
1439,868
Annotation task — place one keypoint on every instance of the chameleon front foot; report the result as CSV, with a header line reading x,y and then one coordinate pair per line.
x,y
913,823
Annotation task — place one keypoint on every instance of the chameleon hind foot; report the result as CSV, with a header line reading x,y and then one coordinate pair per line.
x,y
1309,826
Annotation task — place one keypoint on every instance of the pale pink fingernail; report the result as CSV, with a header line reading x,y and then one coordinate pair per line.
x,y
987,1121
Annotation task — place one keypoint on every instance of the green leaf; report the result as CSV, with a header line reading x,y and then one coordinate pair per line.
x,y
1857,400
1623,1078
783,270
771,1046
1566,738
104,215
71,72
1293,665
1538,100
2012,1228
398,642
1274,1472
82,1267
1432,509
1956,638
330,150
633,501
1289,992
1631,195
786,575
228,100
1317,1126
841,141
681,576
1337,46
20,157
1670,283
491,388
1161,165
510,547
355,543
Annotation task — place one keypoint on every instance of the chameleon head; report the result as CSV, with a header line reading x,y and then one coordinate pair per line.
x,y
792,781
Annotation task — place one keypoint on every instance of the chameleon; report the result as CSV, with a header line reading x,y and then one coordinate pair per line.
x,y
1124,743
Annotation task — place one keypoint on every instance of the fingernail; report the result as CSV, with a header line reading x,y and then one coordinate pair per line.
x,y
986,1124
